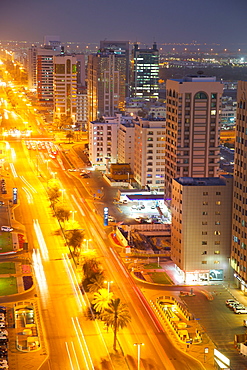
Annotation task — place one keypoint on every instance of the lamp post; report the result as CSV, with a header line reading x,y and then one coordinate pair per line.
x,y
138,353
108,286
54,174
73,215
86,241
62,191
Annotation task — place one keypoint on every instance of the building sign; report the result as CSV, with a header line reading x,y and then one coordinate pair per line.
x,y
106,216
15,197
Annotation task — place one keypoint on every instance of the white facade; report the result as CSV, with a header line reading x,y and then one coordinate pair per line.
x,y
149,154
126,134
65,85
103,141
201,227
81,108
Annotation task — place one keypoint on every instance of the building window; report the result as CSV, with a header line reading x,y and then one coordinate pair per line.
x,y
204,203
204,233
217,203
204,262
216,252
216,262
217,213
204,213
205,193
217,232
217,223
204,223
204,252
217,242
204,242
218,193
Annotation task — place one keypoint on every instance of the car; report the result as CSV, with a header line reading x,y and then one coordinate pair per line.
x,y
7,228
153,207
233,304
229,301
134,207
240,310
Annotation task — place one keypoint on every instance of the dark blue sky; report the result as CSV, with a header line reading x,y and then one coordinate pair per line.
x,y
208,21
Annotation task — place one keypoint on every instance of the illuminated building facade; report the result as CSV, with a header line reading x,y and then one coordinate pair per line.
x,y
239,217
65,86
201,227
192,128
145,73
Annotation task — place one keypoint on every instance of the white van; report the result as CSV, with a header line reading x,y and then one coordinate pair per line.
x,y
7,228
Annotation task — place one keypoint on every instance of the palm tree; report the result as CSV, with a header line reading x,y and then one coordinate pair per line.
x,y
117,316
102,300
62,214
53,194
74,239
70,135
97,282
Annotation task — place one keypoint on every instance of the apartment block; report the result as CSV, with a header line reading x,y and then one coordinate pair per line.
x,y
239,215
192,128
201,227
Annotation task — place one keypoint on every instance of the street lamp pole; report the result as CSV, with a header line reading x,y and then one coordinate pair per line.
x,y
108,286
73,215
62,190
138,354
86,241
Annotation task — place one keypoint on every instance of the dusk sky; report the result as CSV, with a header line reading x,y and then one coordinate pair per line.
x,y
165,21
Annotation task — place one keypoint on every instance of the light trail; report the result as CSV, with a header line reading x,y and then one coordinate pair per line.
x,y
28,185
41,240
79,207
73,279
70,359
82,342
39,273
13,154
76,359
13,170
28,195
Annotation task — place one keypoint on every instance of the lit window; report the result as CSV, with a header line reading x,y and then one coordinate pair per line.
x,y
204,262
204,242
216,262
217,203
216,252
217,232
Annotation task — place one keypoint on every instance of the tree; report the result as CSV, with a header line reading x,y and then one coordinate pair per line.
x,y
97,282
62,214
70,135
101,300
90,268
74,240
116,316
53,194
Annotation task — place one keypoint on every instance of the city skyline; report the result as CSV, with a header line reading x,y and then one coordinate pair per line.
x,y
166,22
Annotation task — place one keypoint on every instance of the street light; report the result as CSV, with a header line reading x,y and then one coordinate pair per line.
x,y
138,353
54,174
73,215
62,191
108,286
86,241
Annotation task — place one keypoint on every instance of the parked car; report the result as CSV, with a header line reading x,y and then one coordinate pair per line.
x,y
240,310
229,301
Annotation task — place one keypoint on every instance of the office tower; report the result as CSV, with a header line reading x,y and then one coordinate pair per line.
x,y
149,153
192,128
65,85
107,76
201,227
119,48
145,73
239,214
40,68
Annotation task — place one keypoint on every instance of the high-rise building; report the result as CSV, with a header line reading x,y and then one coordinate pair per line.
x,y
145,73
107,77
65,86
201,227
40,67
192,128
239,214
149,153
